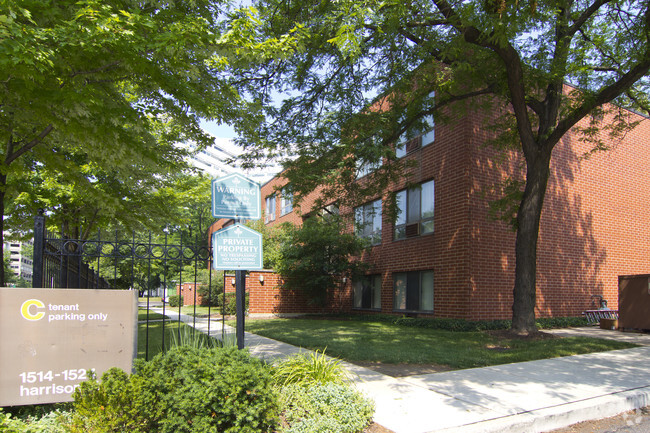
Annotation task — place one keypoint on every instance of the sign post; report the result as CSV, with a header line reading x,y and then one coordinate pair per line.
x,y
237,247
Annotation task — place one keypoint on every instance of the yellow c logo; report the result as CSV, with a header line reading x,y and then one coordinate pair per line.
x,y
27,314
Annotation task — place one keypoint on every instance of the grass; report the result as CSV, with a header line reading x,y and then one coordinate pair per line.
x,y
151,299
188,336
393,344
187,333
190,311
142,315
309,369
200,311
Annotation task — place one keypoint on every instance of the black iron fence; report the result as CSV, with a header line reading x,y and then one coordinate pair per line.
x,y
141,262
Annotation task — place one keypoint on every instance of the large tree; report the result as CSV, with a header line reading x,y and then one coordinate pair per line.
x,y
368,72
94,95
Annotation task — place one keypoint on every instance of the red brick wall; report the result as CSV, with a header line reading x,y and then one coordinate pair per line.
x,y
187,292
267,297
595,225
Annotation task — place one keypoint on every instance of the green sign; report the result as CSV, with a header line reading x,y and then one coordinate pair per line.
x,y
236,196
237,248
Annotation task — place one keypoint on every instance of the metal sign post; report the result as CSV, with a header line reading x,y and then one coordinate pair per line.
x,y
240,295
237,247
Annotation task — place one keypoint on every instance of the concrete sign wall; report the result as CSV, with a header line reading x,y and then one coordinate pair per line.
x,y
237,248
50,338
235,196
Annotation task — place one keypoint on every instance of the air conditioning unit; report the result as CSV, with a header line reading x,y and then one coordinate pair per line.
x,y
413,144
412,230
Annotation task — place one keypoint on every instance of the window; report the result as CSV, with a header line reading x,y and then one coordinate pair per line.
x,y
286,203
421,137
367,292
364,168
367,221
270,209
415,209
413,291
429,134
367,161
329,211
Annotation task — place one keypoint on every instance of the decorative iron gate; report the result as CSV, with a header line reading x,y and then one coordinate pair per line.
x,y
104,262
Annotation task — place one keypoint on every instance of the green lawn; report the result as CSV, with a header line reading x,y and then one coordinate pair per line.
x,y
155,334
390,343
150,299
142,315
191,310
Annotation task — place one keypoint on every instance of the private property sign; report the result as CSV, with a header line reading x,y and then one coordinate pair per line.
x,y
51,338
235,196
237,247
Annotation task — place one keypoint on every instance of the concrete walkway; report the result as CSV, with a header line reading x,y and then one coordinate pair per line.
x,y
535,396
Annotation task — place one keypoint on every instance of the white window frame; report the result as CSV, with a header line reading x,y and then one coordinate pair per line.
x,y
364,167
286,202
368,221
269,214
415,215
428,135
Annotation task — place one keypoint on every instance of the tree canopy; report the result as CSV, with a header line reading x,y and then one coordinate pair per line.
x,y
368,72
315,257
94,95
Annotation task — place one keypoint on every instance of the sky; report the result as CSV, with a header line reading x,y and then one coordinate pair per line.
x,y
217,130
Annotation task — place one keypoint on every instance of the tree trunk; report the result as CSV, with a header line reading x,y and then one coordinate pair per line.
x,y
528,219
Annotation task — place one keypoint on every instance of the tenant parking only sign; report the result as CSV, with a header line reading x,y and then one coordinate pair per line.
x,y
50,339
237,247
236,196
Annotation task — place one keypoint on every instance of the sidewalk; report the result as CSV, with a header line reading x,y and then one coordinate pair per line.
x,y
535,396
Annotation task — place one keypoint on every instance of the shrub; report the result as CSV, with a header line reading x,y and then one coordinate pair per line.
x,y
49,422
467,325
329,407
227,306
187,389
175,300
308,369
561,322
188,336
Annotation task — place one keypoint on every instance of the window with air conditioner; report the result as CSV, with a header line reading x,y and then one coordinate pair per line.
x,y
421,137
415,210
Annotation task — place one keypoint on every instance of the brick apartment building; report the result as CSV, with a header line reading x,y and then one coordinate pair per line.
x,y
446,257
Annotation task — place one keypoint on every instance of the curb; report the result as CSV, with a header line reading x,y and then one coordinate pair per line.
x,y
546,419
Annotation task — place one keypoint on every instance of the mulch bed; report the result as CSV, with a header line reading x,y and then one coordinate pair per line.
x,y
506,334
376,428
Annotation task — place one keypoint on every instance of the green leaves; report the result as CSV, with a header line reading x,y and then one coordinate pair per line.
x,y
94,97
316,256
188,389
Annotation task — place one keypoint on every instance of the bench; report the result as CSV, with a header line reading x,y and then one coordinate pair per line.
x,y
594,316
